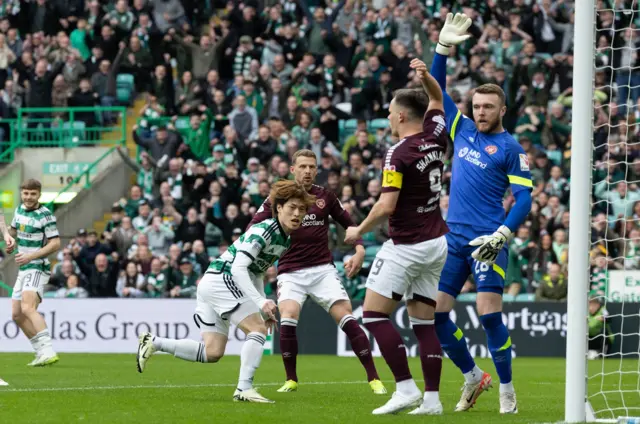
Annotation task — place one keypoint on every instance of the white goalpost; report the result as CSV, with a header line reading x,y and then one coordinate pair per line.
x,y
580,206
604,387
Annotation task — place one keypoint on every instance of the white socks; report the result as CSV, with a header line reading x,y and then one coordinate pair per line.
x,y
41,343
189,350
407,387
474,376
250,357
507,388
431,398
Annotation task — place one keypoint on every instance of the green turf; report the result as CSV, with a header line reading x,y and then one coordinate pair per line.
x,y
108,389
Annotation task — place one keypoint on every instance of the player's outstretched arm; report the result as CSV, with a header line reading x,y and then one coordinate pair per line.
x,y
452,33
384,207
430,85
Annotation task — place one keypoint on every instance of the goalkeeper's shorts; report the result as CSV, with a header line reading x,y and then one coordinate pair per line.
x,y
460,264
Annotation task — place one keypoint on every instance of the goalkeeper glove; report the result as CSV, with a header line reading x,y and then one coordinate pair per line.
x,y
453,32
490,246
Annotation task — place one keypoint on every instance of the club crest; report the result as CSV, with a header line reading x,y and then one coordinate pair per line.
x,y
320,203
491,149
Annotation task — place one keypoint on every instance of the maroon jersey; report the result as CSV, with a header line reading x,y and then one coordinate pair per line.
x,y
414,167
310,242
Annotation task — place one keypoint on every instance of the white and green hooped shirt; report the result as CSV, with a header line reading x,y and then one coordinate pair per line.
x,y
34,227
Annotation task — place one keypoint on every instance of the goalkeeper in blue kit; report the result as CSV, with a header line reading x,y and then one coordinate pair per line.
x,y
487,160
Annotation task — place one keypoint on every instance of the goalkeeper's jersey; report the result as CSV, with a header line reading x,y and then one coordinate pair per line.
x,y
484,166
264,243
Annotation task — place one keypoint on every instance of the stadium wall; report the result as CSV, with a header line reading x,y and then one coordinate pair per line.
x,y
112,326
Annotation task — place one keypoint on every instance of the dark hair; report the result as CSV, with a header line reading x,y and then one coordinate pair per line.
x,y
285,190
492,89
305,153
31,184
415,101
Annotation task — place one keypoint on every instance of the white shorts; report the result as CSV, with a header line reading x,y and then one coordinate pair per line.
x,y
322,283
409,270
219,303
30,280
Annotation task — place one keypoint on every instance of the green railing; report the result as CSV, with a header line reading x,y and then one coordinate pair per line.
x,y
86,175
64,128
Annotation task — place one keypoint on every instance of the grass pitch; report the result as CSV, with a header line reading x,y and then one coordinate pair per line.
x,y
108,389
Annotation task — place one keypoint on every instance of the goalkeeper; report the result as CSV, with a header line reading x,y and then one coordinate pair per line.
x,y
487,161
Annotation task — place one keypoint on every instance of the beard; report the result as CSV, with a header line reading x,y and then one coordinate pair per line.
x,y
492,126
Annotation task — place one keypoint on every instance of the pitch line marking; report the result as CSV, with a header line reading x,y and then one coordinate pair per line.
x,y
178,386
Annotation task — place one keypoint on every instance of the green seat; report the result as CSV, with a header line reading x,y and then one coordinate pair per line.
x,y
346,129
371,252
508,298
370,236
125,81
526,297
339,267
380,123
74,132
125,86
213,251
123,95
467,297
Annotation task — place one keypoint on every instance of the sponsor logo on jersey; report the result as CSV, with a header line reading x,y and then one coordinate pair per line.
x,y
424,147
320,203
491,149
472,156
391,168
524,162
310,220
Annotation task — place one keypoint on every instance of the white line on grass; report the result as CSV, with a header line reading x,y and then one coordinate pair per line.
x,y
184,386
164,386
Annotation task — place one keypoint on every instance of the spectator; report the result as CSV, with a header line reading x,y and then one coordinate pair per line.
x,y
183,281
102,275
553,287
160,237
131,281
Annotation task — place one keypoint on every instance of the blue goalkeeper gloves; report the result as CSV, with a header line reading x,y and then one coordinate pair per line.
x,y
490,246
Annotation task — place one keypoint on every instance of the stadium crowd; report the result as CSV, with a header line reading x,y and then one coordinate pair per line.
x,y
233,88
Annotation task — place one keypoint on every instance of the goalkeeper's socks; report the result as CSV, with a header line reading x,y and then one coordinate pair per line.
x,y
289,346
430,352
392,349
250,357
360,345
499,344
453,343
189,350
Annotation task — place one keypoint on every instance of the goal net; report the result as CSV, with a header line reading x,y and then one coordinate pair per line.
x,y
612,350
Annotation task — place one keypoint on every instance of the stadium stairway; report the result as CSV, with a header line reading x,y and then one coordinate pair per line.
x,y
132,118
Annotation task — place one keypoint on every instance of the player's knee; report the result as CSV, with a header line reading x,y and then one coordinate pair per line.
x,y
17,316
289,309
340,309
214,353
444,302
256,327
27,308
